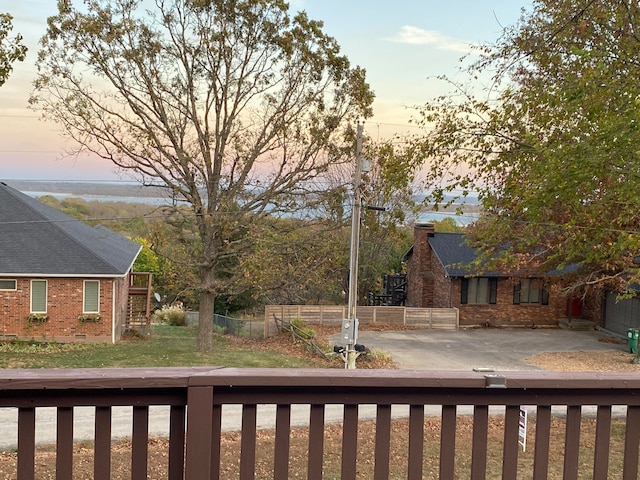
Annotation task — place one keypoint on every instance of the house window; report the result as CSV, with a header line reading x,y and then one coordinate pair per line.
x,y
38,296
91,302
480,290
530,291
7,284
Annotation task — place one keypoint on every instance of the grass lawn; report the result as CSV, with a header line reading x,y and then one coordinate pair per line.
x,y
167,347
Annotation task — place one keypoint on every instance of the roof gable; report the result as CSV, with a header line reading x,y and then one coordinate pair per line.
x,y
40,240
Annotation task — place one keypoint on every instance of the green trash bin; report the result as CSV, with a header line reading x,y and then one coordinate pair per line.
x,y
632,337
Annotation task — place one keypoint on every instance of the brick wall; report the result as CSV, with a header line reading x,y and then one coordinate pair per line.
x,y
64,304
593,305
442,287
504,313
420,273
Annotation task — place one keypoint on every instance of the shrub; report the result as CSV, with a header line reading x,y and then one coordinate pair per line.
x,y
219,330
174,315
300,328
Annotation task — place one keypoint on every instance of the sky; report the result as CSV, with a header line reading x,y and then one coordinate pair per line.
x,y
403,45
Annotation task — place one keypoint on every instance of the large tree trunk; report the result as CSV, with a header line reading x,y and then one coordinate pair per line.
x,y
205,323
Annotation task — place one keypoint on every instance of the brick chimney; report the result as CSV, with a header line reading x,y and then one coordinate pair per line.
x,y
419,269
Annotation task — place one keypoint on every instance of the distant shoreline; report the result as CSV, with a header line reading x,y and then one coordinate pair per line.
x,y
89,189
131,192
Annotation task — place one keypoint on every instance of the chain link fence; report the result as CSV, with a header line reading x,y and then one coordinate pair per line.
x,y
237,327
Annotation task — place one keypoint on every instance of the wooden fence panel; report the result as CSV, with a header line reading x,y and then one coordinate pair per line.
x,y
439,318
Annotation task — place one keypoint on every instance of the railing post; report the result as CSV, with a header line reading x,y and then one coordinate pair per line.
x,y
383,442
510,448
26,443
102,444
316,442
572,441
543,432
64,443
448,442
479,443
140,442
349,442
176,442
199,427
631,444
602,444
248,441
282,442
416,442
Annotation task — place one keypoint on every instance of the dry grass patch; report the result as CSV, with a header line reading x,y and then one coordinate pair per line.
x,y
597,361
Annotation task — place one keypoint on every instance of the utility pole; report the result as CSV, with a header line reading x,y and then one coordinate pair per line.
x,y
350,324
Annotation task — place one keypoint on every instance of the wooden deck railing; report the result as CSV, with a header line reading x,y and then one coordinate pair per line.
x,y
196,397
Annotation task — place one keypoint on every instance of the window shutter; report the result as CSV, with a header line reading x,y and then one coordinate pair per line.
x,y
545,296
493,291
516,294
464,290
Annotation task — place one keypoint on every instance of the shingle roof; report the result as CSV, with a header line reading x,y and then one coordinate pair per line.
x,y
457,257
455,254
36,239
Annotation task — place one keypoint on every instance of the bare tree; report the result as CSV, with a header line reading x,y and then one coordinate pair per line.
x,y
235,106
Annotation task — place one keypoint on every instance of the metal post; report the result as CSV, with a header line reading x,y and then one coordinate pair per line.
x,y
350,324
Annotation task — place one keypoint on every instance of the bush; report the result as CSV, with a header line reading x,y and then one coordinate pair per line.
x,y
300,328
219,330
174,315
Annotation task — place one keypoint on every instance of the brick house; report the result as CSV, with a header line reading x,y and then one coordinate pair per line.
x,y
439,276
60,279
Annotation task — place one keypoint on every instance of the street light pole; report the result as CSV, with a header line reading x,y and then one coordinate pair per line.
x,y
350,324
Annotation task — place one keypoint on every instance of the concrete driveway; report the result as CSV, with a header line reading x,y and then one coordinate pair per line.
x,y
499,349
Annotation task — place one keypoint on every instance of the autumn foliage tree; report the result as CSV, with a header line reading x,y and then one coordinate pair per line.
x,y
550,142
11,49
235,106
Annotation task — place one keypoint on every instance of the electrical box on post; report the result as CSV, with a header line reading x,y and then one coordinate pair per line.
x,y
349,330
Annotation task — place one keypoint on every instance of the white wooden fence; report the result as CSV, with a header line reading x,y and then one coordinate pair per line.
x,y
440,318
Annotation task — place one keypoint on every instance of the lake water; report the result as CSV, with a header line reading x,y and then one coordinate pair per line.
x,y
463,220
100,198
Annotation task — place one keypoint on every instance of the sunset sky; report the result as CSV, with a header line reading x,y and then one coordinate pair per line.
x,y
402,45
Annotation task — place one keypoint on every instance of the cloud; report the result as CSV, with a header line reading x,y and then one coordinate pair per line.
x,y
417,36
